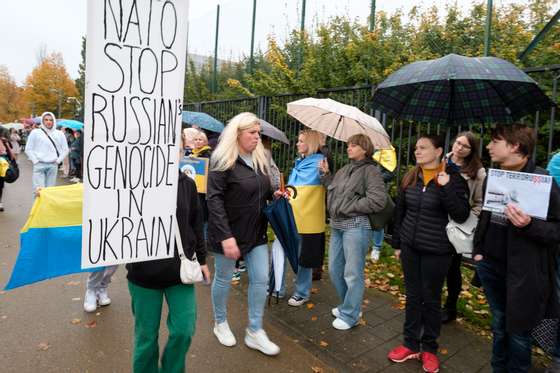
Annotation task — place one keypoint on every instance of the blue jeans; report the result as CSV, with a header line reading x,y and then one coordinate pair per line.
x,y
256,261
101,279
44,175
304,279
378,236
511,352
303,282
556,352
347,258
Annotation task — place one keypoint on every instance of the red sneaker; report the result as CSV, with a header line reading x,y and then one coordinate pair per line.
x,y
401,353
430,362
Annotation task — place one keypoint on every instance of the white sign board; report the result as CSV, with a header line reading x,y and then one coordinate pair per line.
x,y
135,70
531,192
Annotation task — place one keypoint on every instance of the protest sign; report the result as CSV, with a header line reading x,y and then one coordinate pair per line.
x,y
197,169
135,69
531,192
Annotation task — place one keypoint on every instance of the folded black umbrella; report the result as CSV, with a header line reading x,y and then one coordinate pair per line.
x,y
281,218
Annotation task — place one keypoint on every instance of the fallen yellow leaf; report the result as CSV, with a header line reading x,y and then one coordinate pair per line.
x,y
313,318
43,346
317,370
75,321
314,290
310,306
323,344
443,351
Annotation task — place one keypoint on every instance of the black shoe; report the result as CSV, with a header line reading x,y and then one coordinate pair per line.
x,y
448,315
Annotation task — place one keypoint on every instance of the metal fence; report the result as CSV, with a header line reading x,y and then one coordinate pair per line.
x,y
402,133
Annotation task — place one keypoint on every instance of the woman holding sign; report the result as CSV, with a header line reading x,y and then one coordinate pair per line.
x,y
238,189
429,195
149,282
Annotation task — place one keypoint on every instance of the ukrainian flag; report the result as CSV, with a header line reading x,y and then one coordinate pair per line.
x,y
51,239
309,205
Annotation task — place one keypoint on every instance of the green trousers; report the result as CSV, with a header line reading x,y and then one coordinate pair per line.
x,y
181,320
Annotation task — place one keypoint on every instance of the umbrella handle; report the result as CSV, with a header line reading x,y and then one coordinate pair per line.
x,y
292,191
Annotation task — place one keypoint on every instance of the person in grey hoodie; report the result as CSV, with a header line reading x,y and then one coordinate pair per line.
x,y
354,192
46,147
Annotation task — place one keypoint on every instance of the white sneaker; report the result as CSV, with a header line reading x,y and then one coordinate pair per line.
x,y
259,341
296,300
90,301
336,313
375,252
224,334
341,324
103,297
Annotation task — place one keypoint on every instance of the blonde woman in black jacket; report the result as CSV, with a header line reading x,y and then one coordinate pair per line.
x,y
427,198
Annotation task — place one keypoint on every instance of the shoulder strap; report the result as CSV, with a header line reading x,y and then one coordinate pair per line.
x,y
179,241
52,142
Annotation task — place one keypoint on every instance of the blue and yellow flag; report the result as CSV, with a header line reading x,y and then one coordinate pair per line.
x,y
51,239
196,169
309,205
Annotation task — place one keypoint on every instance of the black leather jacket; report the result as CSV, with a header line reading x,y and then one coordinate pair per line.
x,y
236,199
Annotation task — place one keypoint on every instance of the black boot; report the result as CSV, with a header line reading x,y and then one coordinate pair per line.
x,y
448,315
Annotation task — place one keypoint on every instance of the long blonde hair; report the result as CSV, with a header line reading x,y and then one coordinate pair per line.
x,y
227,151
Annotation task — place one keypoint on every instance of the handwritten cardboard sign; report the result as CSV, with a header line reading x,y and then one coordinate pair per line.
x,y
135,69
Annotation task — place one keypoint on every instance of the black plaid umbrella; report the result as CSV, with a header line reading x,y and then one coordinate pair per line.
x,y
456,90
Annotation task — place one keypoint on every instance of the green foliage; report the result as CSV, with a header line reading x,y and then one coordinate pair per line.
x,y
343,53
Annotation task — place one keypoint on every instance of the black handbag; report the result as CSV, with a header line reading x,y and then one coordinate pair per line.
x,y
12,173
381,219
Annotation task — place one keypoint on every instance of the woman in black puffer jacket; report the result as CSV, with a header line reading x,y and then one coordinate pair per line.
x,y
428,197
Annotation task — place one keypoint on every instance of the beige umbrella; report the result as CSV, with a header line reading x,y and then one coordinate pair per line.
x,y
338,120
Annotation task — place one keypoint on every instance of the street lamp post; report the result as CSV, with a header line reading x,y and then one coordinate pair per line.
x,y
77,106
59,92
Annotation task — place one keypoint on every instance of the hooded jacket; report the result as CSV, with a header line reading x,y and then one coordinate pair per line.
x,y
357,189
422,213
530,263
236,199
40,149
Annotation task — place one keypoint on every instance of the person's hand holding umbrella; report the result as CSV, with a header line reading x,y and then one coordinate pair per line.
x,y
324,166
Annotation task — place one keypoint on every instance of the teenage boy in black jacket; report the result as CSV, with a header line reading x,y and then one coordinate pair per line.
x,y
515,258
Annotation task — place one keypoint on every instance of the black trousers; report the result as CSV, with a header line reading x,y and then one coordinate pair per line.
x,y
1,187
423,277
454,282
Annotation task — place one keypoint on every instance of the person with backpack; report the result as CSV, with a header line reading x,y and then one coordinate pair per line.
x,y
46,148
353,193
386,160
6,155
428,197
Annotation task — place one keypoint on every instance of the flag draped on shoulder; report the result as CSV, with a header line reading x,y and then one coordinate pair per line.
x,y
309,205
51,239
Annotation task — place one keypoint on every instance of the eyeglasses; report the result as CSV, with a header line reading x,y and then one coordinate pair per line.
x,y
464,146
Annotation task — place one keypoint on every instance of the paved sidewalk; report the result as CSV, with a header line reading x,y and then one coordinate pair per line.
x,y
365,347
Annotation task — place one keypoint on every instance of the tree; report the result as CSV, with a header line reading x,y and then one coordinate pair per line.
x,y
81,81
11,100
48,87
